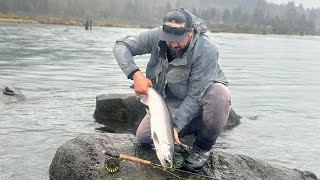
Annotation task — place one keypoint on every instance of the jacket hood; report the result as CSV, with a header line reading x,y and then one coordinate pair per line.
x,y
198,24
200,28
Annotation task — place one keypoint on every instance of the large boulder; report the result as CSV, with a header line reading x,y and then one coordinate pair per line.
x,y
83,158
9,94
122,113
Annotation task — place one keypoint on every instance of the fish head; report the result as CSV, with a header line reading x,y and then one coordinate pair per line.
x,y
165,155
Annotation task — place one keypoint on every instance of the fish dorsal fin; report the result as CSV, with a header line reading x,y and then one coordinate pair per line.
x,y
145,100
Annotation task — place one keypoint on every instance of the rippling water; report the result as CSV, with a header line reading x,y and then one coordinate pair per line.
x,y
61,69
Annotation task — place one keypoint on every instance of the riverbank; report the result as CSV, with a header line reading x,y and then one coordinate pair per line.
x,y
117,23
262,31
69,21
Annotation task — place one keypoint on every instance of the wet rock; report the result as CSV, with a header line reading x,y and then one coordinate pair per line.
x,y
119,112
233,120
123,113
9,94
83,158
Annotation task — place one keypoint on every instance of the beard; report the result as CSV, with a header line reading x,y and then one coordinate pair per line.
x,y
175,53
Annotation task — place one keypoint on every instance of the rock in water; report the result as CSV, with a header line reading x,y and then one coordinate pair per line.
x,y
83,158
9,94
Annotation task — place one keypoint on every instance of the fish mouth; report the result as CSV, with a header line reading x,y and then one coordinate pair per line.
x,y
167,163
165,155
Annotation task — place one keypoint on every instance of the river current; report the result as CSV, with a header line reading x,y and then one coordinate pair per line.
x,y
274,81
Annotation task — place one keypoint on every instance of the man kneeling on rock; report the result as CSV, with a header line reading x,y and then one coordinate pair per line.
x,y
184,69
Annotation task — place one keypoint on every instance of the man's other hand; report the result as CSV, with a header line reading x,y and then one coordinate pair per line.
x,y
175,136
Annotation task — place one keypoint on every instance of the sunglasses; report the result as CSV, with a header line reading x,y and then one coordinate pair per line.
x,y
179,31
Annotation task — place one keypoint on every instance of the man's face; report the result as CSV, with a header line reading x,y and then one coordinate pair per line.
x,y
176,48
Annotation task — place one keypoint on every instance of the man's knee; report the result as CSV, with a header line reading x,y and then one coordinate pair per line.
x,y
143,138
143,133
216,106
217,96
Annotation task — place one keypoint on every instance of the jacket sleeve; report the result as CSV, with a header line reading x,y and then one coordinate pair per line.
x,y
202,75
127,47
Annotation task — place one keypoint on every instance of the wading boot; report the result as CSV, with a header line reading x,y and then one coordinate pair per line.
x,y
196,159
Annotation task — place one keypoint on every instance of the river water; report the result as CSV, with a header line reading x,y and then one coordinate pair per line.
x,y
274,81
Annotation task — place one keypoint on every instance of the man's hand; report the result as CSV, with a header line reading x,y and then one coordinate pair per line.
x,y
175,136
141,83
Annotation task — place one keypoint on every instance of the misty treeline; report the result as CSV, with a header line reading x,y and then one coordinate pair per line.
x,y
218,14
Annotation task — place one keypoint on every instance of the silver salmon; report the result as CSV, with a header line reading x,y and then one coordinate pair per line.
x,y
161,127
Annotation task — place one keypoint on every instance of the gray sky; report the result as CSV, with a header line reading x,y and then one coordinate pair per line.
x,y
305,3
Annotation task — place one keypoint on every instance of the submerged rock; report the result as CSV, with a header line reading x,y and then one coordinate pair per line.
x,y
83,158
9,94
123,113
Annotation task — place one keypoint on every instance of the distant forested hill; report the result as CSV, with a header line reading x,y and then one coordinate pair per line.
x,y
219,14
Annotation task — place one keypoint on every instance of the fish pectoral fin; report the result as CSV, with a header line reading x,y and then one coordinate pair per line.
x,y
148,113
155,138
145,100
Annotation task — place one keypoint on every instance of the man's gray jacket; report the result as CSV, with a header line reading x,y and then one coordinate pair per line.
x,y
187,77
